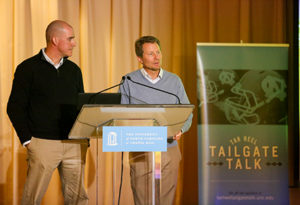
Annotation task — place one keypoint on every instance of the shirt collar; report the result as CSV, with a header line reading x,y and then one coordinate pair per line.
x,y
148,77
50,61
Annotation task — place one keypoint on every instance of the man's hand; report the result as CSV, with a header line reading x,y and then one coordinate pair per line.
x,y
177,136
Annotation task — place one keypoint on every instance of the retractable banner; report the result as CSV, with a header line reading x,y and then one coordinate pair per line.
x,y
242,124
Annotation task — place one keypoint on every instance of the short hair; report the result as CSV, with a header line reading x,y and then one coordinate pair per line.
x,y
53,27
141,41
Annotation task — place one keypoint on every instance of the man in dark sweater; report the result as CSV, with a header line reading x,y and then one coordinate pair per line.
x,y
149,54
42,109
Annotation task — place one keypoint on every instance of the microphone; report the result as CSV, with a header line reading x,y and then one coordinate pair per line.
x,y
129,78
95,94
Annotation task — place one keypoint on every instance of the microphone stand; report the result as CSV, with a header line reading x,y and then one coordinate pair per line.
x,y
129,78
94,95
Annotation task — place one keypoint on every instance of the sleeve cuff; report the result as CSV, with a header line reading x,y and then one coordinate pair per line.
x,y
26,143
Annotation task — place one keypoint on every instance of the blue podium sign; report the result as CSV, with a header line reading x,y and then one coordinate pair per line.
x,y
134,139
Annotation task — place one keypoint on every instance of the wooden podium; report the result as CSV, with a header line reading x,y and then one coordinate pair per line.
x,y
92,118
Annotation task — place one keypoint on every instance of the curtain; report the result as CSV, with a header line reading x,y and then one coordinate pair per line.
x,y
105,31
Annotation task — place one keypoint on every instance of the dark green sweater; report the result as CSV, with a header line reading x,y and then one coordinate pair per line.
x,y
43,99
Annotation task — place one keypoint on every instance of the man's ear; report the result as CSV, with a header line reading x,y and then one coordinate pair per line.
x,y
140,59
54,40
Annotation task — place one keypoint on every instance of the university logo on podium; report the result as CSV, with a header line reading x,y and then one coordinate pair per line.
x,y
112,139
134,139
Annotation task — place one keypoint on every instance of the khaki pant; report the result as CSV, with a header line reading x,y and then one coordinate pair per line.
x,y
44,156
141,176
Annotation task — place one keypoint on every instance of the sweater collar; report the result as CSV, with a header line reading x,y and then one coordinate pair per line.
x,y
50,61
148,77
44,57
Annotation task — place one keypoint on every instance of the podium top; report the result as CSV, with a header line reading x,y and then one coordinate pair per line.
x,y
93,116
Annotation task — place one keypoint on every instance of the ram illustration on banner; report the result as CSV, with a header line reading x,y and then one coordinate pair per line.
x,y
242,124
